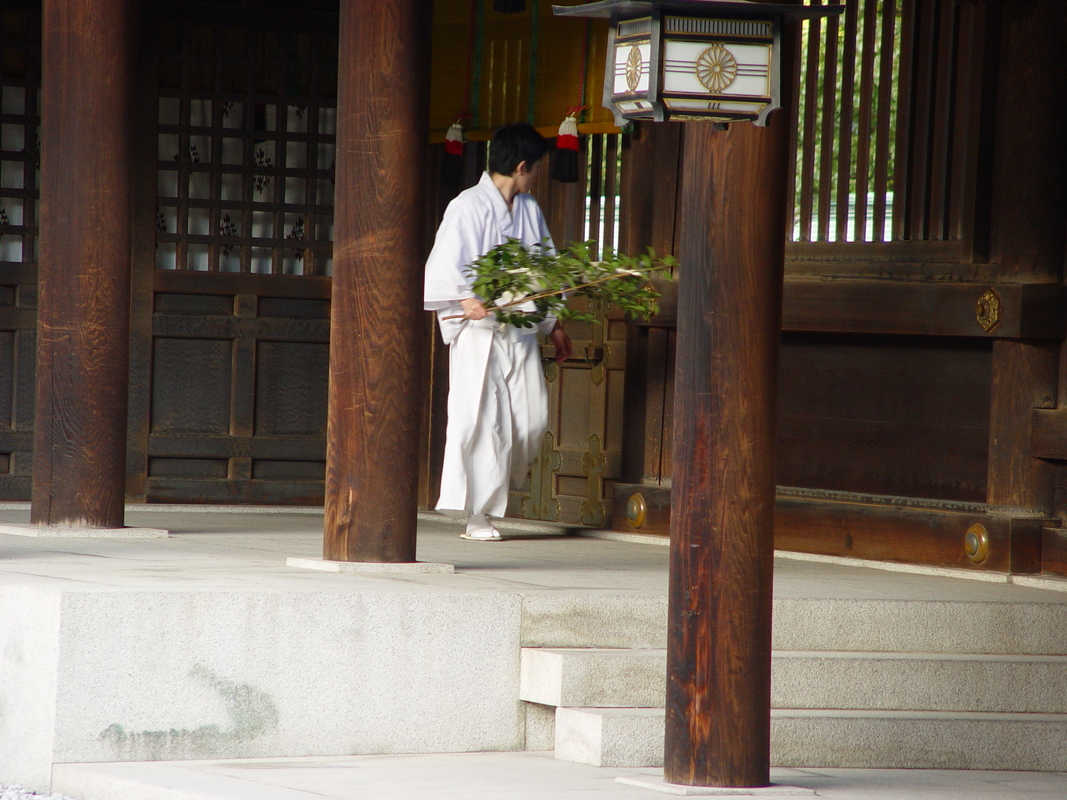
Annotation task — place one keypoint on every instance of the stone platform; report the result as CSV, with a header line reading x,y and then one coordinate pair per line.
x,y
206,645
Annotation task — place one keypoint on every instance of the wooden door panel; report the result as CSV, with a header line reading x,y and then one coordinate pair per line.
x,y
239,385
291,388
191,385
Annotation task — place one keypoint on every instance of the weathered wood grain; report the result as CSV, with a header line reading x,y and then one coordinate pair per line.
x,y
1024,378
729,320
903,307
879,529
376,326
84,274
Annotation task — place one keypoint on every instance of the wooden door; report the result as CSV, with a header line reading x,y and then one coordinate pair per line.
x,y
581,456
231,289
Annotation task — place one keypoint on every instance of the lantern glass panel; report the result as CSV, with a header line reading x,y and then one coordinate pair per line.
x,y
711,68
632,68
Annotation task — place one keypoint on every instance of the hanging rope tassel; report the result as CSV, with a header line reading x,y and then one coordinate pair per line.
x,y
565,162
452,160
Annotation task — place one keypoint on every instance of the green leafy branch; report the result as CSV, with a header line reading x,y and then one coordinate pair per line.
x,y
522,286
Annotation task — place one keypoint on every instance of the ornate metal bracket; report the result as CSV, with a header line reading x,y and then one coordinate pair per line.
x,y
593,464
541,504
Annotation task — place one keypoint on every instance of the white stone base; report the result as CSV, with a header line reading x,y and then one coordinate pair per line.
x,y
63,532
145,675
618,737
660,785
325,565
610,737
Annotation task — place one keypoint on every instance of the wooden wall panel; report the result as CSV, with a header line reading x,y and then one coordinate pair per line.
x,y
291,383
192,385
886,416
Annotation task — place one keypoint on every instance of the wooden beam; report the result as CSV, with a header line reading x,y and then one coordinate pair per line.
x,y
79,474
377,322
830,523
906,535
920,308
914,308
733,203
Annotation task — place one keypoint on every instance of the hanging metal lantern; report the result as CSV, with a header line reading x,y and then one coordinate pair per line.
x,y
709,60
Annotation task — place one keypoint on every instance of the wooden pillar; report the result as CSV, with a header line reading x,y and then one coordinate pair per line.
x,y
1029,235
79,467
377,321
731,254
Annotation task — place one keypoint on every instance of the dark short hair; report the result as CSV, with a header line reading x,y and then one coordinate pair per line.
x,y
514,144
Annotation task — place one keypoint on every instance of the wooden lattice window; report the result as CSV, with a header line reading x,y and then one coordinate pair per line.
x,y
603,183
887,122
247,122
19,134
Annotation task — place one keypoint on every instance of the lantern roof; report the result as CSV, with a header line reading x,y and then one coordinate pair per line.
x,y
732,8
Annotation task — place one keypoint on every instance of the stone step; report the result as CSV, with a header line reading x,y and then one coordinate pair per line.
x,y
946,682
616,737
635,678
601,677
978,624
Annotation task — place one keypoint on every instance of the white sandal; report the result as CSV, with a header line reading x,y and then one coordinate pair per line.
x,y
479,529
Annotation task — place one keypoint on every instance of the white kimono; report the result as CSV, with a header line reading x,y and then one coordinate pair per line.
x,y
497,399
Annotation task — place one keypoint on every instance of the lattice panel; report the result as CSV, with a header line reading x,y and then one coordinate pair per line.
x,y
887,122
247,122
19,134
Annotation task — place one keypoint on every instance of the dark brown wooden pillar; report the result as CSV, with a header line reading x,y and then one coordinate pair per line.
x,y
731,252
1029,216
79,469
377,323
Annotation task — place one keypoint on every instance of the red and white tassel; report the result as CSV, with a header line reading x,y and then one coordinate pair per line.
x,y
565,163
452,161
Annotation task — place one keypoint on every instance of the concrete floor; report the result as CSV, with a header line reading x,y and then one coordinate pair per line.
x,y
227,548
506,776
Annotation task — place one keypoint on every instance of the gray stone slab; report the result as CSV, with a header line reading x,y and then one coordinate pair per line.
x,y
499,776
29,658
601,677
610,737
837,738
919,681
660,785
326,565
72,532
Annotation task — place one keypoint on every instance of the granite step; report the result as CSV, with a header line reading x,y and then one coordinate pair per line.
x,y
635,678
617,737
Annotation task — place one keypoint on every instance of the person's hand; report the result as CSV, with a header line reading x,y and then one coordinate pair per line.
x,y
473,308
562,343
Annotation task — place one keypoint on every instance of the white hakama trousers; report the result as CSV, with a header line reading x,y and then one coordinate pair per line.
x,y
497,417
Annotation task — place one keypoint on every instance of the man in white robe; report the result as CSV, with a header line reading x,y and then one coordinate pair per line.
x,y
497,399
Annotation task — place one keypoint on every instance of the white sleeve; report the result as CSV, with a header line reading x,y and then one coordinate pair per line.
x,y
455,247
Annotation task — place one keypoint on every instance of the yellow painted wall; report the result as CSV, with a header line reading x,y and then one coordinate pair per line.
x,y
503,91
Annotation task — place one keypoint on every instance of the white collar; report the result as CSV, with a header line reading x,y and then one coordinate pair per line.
x,y
503,215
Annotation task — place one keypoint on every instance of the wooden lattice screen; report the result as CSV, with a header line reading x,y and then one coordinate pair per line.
x,y
887,133
246,150
19,131
603,181
20,76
